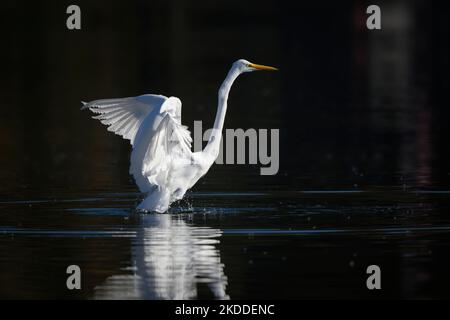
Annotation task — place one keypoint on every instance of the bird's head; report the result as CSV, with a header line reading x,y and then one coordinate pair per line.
x,y
246,66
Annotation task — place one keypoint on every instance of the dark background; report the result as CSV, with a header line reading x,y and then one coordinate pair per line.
x,y
357,110
347,100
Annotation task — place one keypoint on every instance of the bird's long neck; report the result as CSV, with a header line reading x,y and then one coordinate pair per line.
x,y
212,148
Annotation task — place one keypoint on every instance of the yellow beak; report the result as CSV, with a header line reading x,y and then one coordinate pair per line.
x,y
261,67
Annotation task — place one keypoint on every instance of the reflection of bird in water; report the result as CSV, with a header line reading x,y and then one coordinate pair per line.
x,y
170,260
162,162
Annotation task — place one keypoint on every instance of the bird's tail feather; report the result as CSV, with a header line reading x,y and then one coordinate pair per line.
x,y
156,201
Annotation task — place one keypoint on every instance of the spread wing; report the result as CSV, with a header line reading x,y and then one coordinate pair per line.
x,y
163,141
124,116
162,137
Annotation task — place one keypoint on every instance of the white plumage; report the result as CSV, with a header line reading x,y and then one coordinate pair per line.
x,y
162,162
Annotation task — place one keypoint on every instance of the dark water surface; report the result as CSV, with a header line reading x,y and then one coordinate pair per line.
x,y
259,244
364,152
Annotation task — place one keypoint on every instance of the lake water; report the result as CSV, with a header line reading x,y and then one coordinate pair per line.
x,y
224,244
364,173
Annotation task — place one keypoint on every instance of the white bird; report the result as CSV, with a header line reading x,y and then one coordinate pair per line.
x,y
162,163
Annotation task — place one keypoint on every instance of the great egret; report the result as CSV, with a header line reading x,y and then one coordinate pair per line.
x,y
162,162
